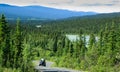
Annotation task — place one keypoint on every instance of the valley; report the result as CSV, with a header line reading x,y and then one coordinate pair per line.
x,y
69,41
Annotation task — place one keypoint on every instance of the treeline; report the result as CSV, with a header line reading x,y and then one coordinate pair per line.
x,y
73,25
88,25
14,56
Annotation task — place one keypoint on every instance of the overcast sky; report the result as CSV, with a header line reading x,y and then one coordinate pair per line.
x,y
101,6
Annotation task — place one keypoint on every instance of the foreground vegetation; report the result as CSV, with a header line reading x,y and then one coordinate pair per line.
x,y
19,45
14,56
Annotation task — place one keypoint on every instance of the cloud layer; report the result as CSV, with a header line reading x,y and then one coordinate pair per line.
x,y
77,5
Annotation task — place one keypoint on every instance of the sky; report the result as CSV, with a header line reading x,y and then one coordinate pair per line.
x,y
100,6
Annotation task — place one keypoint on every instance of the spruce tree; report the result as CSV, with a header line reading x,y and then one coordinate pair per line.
x,y
67,46
100,43
18,46
55,45
3,25
91,55
92,40
111,44
4,41
71,50
60,49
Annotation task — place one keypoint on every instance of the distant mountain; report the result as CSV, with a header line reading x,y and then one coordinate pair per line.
x,y
38,12
103,15
99,16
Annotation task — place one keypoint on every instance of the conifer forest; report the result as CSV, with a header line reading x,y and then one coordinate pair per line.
x,y
96,49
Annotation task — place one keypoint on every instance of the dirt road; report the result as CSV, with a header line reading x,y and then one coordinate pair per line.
x,y
48,68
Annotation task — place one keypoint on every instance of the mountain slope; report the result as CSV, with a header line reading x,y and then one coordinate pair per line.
x,y
39,12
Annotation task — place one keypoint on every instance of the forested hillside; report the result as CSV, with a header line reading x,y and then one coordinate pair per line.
x,y
34,39
74,25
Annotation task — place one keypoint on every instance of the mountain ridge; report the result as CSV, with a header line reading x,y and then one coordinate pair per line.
x,y
36,11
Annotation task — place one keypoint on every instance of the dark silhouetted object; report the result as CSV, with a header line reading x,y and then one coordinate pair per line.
x,y
42,62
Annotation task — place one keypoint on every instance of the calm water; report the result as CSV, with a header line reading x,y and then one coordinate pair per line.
x,y
74,38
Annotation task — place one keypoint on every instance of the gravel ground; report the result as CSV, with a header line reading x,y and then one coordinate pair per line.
x,y
48,68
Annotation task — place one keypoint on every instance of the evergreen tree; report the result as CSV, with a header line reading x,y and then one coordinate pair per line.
x,y
60,49
83,48
111,44
55,45
117,47
3,26
71,50
105,39
63,42
66,49
92,53
4,41
18,46
100,43
92,40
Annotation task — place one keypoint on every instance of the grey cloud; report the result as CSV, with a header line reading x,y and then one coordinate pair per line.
x,y
109,4
66,2
78,5
34,2
98,4
70,2
115,1
53,3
